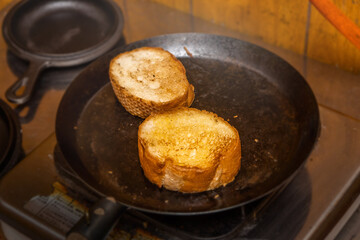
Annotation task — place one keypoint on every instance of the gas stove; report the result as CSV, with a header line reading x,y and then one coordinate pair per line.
x,y
44,199
48,200
223,225
55,199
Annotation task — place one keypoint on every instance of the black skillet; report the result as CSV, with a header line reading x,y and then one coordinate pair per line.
x,y
6,134
260,94
10,138
58,33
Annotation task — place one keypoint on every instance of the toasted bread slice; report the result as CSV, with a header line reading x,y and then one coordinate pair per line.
x,y
189,150
148,80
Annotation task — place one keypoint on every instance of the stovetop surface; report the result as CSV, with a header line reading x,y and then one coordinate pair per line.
x,y
221,225
311,207
284,217
256,220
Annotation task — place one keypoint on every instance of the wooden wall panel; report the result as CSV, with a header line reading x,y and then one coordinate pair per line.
x,y
151,23
282,23
328,45
182,5
278,22
3,3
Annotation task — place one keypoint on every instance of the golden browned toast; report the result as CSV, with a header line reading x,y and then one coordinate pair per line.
x,y
148,80
189,150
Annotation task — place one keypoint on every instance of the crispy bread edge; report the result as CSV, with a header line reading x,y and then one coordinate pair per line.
x,y
142,107
189,179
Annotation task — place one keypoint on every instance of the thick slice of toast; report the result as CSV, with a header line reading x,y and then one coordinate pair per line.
x,y
148,80
189,150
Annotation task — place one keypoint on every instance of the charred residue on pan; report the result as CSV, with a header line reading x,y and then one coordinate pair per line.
x,y
264,117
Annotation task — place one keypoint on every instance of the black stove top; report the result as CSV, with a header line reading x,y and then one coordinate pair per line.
x,y
280,215
277,216
303,210
224,225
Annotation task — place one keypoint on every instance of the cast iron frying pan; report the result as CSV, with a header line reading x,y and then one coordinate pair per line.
x,y
264,97
58,33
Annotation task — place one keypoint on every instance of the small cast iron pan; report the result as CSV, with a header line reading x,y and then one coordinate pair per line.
x,y
6,133
10,138
58,33
264,97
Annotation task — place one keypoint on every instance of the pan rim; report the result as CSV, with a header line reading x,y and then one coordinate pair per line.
x,y
76,57
279,187
10,127
282,183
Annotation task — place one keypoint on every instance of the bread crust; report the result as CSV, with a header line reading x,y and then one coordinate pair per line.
x,y
190,179
141,107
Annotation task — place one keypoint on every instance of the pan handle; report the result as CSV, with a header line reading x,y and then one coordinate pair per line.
x,y
21,91
102,217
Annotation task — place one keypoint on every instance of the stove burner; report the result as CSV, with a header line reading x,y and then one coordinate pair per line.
x,y
222,225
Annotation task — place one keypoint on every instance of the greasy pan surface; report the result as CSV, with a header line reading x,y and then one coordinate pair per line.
x,y
268,102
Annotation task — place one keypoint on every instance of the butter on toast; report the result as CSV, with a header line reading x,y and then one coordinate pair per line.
x,y
189,150
148,80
